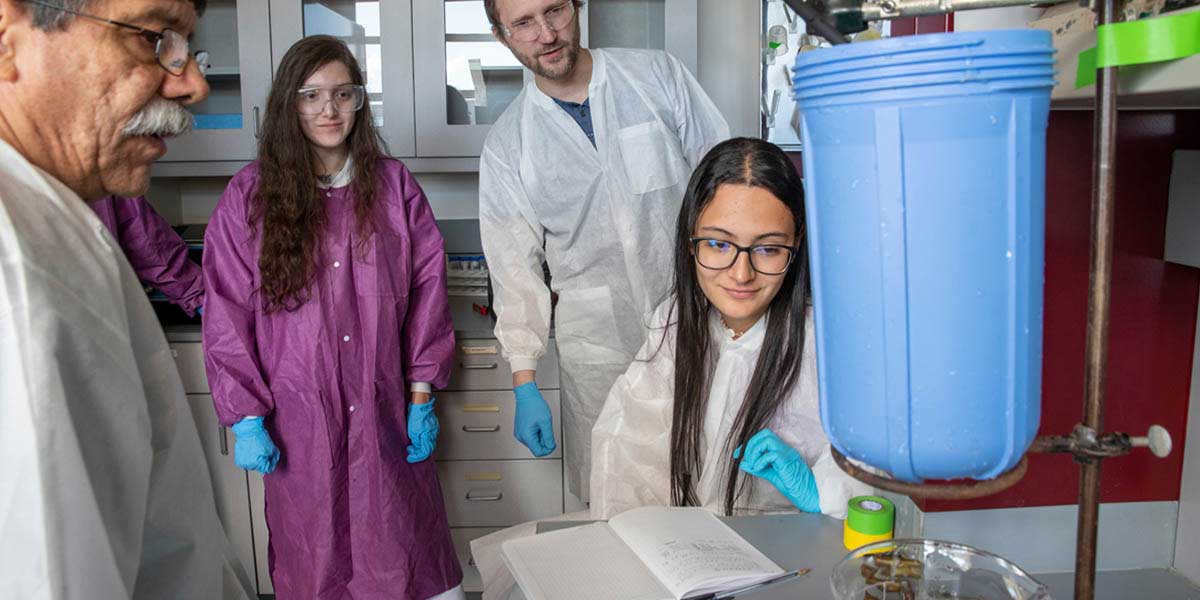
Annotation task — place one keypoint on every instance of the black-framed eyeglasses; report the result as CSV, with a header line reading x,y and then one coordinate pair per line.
x,y
718,255
346,98
171,49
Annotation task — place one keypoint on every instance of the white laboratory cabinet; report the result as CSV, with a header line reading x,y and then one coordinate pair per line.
x,y
231,484
489,480
436,79
453,48
227,122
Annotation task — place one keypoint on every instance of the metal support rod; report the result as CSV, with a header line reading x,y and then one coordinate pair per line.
x,y
877,10
1104,139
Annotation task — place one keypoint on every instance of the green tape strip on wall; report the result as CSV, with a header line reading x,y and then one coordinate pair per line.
x,y
1138,42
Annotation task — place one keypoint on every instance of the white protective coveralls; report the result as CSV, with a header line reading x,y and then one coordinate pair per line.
x,y
632,440
631,443
104,493
602,217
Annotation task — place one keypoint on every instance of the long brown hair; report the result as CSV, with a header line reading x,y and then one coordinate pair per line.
x,y
740,161
287,202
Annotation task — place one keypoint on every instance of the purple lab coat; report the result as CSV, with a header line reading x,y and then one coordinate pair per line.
x,y
349,517
157,254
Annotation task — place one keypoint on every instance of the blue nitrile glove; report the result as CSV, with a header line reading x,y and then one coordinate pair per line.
x,y
254,450
422,431
771,458
200,310
533,425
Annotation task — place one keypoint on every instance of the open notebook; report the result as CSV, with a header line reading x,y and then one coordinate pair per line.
x,y
651,553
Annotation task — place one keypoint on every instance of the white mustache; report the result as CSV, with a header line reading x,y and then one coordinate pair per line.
x,y
161,118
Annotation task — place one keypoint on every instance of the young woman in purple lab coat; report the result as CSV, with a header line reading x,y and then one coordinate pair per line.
x,y
326,324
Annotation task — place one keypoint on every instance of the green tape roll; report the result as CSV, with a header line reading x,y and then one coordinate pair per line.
x,y
1139,42
871,515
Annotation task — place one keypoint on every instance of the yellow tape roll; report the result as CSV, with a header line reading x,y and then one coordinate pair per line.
x,y
869,519
853,539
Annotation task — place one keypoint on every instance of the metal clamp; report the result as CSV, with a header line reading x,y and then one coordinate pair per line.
x,y
493,498
492,429
1087,446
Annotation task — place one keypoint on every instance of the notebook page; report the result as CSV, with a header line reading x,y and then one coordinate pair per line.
x,y
582,563
690,551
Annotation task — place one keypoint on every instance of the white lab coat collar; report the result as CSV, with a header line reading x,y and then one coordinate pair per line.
x,y
342,178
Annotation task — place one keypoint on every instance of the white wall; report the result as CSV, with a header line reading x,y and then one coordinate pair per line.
x,y
1013,17
1187,537
730,60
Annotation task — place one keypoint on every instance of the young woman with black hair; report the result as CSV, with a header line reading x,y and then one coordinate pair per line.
x,y
720,410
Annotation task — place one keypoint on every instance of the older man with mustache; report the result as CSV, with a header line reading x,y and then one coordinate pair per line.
x,y
104,489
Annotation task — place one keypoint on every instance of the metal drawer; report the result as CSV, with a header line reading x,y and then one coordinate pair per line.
x,y
499,493
462,536
189,359
479,426
479,366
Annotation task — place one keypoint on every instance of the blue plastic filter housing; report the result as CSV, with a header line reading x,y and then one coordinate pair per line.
x,y
924,163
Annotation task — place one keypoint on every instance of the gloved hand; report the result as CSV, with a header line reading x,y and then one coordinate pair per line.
x,y
422,431
533,425
770,458
254,450
200,310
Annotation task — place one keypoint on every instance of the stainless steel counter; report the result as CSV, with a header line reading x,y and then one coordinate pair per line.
x,y
807,541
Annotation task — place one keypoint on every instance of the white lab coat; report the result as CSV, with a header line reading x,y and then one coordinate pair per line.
x,y
104,493
632,438
602,217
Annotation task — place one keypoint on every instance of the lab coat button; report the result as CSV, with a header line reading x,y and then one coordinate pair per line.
x,y
345,338
336,264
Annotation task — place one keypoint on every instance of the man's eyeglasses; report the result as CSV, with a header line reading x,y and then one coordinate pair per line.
x,y
171,49
345,98
718,255
530,29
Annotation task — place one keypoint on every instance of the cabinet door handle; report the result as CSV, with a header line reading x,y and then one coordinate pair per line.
x,y
224,441
486,367
256,131
493,498
492,429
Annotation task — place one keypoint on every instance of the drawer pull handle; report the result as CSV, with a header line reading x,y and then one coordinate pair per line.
x,y
478,350
481,408
484,477
492,498
492,429
224,441
486,367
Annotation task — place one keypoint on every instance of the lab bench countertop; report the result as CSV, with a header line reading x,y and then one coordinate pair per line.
x,y
813,541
